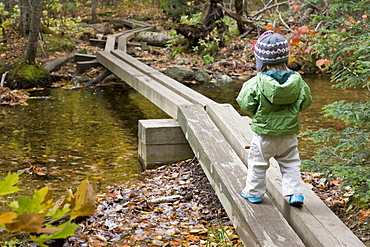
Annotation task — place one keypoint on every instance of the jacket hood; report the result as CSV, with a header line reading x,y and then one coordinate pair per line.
x,y
280,87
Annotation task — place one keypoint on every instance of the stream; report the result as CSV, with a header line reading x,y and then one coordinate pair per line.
x,y
64,136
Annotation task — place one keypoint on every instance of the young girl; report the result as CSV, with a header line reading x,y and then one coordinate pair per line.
x,y
274,97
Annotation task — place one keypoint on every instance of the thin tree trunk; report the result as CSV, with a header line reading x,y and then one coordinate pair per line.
x,y
25,17
240,11
31,50
93,11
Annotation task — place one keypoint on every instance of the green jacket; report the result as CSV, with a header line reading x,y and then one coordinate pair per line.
x,y
275,98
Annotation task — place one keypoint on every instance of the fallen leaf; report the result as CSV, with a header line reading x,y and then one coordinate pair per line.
x,y
363,214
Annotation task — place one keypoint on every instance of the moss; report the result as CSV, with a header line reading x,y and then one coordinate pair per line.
x,y
58,43
32,72
24,75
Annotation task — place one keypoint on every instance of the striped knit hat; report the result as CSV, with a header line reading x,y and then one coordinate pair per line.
x,y
271,48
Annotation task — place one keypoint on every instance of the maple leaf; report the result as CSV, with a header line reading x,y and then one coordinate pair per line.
x,y
303,29
7,186
294,40
7,217
296,7
30,222
323,62
83,202
363,214
269,27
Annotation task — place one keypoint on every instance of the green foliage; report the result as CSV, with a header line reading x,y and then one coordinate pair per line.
x,y
221,236
7,19
345,153
58,43
231,23
344,41
208,49
207,59
195,18
178,8
29,213
7,186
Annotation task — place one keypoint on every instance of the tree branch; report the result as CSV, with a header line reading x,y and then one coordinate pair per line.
x,y
269,7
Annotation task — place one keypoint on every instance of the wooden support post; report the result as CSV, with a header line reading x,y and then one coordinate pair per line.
x,y
161,141
85,65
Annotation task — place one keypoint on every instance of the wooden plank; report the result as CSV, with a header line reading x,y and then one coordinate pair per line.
x,y
315,223
98,42
85,65
134,23
257,225
175,86
79,57
111,39
122,40
161,96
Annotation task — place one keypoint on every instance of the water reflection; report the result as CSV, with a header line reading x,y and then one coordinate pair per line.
x,y
73,134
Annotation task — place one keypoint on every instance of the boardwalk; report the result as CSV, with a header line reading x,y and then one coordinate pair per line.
x,y
218,135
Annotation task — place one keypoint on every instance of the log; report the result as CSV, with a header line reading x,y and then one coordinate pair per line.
x,y
155,38
99,78
56,64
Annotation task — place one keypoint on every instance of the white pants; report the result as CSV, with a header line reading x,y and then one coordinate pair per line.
x,y
285,150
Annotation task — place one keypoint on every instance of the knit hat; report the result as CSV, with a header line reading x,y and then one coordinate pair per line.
x,y
271,48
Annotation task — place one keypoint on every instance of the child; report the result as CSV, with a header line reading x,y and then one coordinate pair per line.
x,y
274,97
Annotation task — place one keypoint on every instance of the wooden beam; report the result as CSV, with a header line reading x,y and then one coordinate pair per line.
x,y
161,96
256,224
79,57
177,87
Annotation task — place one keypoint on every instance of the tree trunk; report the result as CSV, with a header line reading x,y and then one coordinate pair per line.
x,y
34,31
25,17
198,31
240,11
93,11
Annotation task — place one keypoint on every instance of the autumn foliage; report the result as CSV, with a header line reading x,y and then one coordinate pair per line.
x,y
29,214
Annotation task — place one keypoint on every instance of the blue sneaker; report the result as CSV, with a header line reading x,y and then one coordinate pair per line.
x,y
296,200
251,199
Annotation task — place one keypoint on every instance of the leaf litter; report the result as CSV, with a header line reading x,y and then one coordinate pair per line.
x,y
172,206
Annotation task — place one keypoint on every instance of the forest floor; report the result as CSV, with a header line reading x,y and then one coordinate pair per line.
x,y
130,216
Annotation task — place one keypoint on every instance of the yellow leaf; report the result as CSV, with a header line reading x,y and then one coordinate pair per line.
x,y
83,203
291,59
32,222
7,217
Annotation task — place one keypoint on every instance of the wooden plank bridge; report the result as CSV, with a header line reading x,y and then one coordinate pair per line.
x,y
218,135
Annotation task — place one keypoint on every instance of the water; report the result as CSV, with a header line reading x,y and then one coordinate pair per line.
x,y
74,134
70,135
